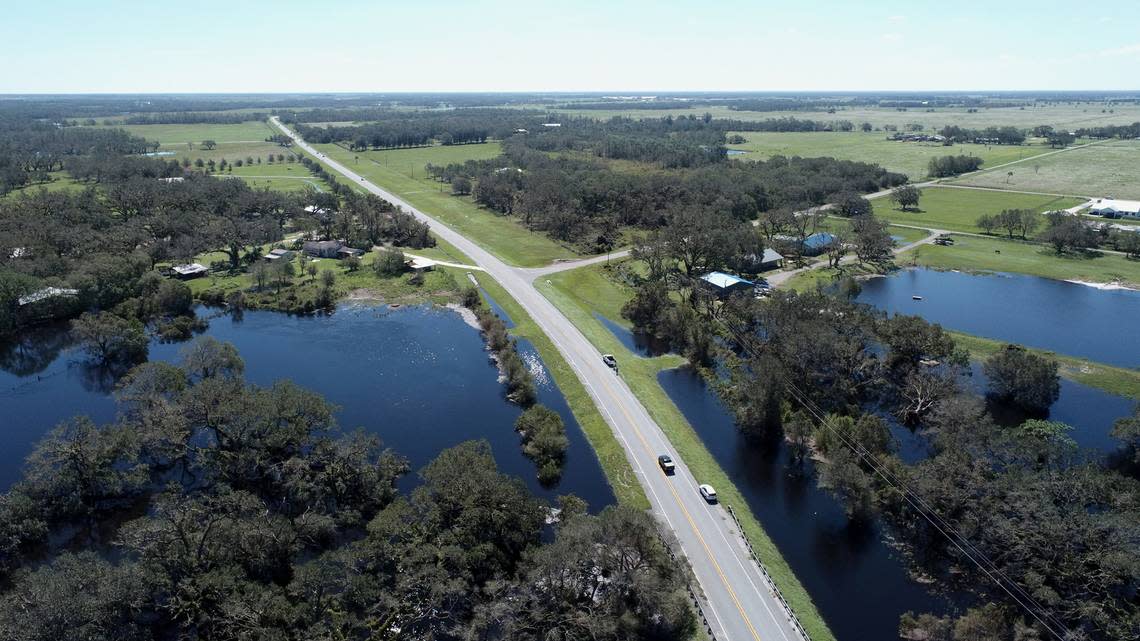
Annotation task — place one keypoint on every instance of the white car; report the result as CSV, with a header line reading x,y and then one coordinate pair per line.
x,y
708,493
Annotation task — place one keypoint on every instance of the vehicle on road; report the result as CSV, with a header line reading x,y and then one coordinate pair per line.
x,y
610,361
666,463
708,493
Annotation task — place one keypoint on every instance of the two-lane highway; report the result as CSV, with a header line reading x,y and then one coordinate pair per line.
x,y
740,604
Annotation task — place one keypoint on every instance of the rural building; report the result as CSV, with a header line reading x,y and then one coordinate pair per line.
x,y
275,255
47,304
1112,208
188,271
322,248
345,252
724,285
817,243
770,259
420,265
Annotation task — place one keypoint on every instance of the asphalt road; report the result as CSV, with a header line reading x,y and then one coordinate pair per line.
x,y
738,601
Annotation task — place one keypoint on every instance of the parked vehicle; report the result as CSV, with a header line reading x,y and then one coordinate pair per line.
x,y
708,493
666,463
610,361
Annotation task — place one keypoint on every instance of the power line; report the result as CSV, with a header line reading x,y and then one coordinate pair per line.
x,y
979,558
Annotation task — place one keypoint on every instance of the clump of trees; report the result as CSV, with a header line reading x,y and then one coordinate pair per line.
x,y
906,197
1023,378
519,381
1019,222
944,166
544,441
216,508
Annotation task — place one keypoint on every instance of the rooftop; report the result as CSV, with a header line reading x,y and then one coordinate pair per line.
x,y
1117,205
46,293
188,269
723,281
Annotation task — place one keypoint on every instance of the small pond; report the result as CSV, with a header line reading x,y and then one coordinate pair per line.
x,y
1063,317
418,377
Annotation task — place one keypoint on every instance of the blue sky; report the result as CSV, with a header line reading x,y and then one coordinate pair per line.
x,y
514,45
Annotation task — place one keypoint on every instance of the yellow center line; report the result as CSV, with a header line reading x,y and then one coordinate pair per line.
x,y
689,518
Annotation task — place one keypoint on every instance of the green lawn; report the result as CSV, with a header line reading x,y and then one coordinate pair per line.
x,y
278,176
910,158
958,209
581,292
992,254
60,181
1110,168
234,142
402,172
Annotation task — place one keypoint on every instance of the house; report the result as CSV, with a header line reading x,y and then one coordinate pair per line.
x,y
1112,208
49,303
188,271
817,243
345,252
283,255
172,179
771,259
724,285
551,124
322,248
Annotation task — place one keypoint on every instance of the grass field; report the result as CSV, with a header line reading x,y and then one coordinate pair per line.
x,y
581,292
1110,168
973,253
278,176
234,142
402,172
1069,116
910,158
959,209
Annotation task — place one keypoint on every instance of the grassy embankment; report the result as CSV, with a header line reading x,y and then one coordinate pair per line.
x,y
1110,168
910,158
973,253
401,171
1114,380
581,292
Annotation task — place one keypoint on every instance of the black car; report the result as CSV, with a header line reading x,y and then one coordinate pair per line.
x,y
666,463
609,360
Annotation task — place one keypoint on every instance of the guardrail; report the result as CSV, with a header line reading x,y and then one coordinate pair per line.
x,y
700,608
795,621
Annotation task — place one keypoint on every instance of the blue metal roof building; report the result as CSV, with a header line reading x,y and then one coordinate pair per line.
x,y
723,284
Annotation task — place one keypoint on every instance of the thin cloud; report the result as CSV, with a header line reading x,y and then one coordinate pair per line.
x,y
892,37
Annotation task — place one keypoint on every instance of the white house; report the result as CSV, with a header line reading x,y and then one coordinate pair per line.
x,y
1112,208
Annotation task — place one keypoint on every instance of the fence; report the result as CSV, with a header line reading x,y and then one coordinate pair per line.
x,y
768,579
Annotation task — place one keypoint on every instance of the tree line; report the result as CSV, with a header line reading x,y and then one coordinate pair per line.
x,y
214,508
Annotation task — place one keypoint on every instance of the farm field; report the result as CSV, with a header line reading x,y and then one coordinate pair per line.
x,y
234,142
401,171
279,176
1110,168
1071,116
973,253
958,209
910,158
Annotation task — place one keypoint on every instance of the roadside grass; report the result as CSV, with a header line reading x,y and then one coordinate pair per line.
x,y
958,209
581,292
1114,380
910,158
402,172
973,253
625,484
1110,168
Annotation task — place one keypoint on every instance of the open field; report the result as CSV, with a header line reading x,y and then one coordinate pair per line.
x,y
402,172
958,209
234,142
581,292
1069,116
1110,168
973,253
278,176
910,158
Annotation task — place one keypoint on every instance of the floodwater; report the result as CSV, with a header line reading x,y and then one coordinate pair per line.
x,y
420,378
636,342
858,582
1067,318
